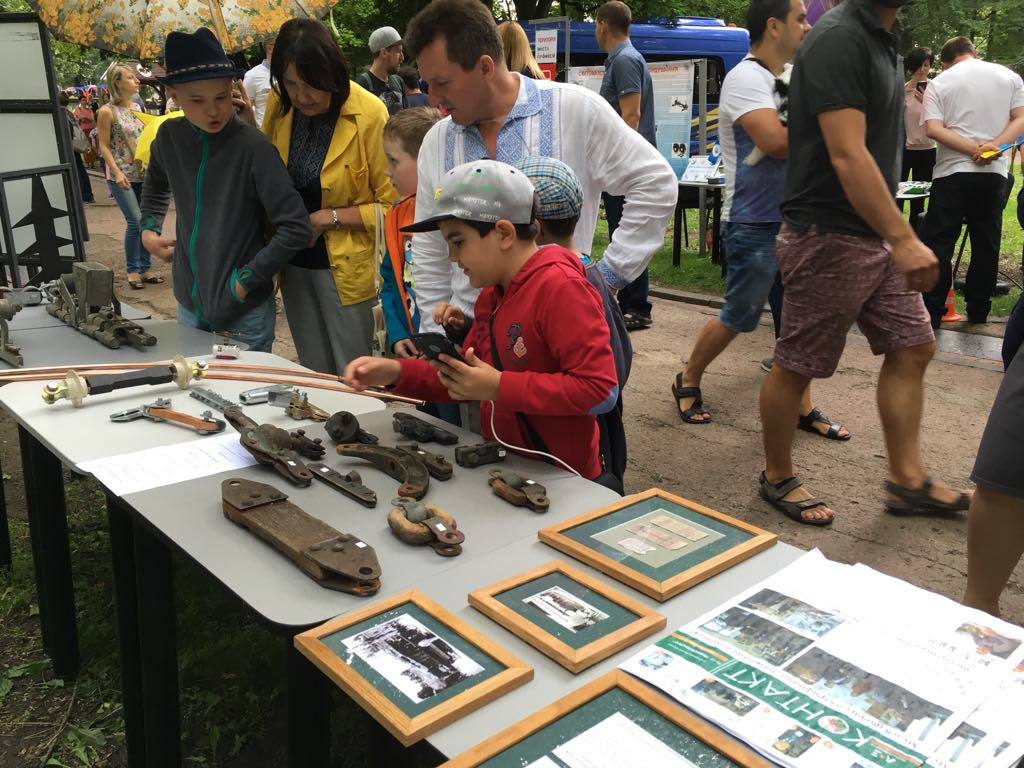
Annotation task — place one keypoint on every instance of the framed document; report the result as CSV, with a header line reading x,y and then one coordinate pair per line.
x,y
412,665
566,614
615,721
656,542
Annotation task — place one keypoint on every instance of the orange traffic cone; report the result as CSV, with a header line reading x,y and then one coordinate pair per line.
x,y
951,316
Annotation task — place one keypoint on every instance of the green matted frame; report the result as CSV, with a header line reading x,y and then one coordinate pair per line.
x,y
406,719
628,620
616,692
728,542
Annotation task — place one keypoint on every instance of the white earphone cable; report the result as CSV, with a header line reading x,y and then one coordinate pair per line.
x,y
526,450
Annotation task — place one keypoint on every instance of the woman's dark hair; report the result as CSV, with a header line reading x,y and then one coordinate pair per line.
x,y
917,57
467,27
309,45
760,11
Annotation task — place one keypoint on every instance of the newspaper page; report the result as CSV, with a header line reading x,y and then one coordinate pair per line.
x,y
828,665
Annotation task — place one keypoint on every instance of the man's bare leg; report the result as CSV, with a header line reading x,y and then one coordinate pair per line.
x,y
781,395
900,403
711,342
995,543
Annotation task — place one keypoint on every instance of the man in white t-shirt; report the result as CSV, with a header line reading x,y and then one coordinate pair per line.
x,y
257,82
748,118
972,107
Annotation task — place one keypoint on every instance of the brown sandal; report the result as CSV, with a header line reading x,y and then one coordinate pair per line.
x,y
919,501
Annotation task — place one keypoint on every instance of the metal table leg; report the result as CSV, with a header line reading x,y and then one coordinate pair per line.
x,y
5,535
676,231
309,712
154,582
122,552
48,527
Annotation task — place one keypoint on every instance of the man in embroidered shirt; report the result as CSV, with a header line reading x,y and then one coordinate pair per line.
x,y
497,114
627,87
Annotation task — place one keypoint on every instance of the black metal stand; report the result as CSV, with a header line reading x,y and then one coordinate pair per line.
x,y
5,533
309,711
122,555
48,528
158,648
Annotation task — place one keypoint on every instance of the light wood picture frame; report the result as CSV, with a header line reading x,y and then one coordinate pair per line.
x,y
370,669
631,620
730,541
511,746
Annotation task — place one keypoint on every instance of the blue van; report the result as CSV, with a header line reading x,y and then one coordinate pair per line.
x,y
665,39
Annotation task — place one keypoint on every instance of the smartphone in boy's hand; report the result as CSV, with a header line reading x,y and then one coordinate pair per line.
x,y
433,345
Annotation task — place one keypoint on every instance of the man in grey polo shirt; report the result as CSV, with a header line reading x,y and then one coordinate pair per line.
x,y
627,87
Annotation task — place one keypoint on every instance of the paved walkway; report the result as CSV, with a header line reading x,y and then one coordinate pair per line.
x,y
717,465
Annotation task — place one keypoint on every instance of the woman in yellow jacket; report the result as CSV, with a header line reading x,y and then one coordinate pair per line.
x,y
329,132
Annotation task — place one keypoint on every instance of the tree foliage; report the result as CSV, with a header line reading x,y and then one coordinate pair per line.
x,y
996,27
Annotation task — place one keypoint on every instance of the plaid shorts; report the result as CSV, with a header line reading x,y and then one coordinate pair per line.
x,y
832,281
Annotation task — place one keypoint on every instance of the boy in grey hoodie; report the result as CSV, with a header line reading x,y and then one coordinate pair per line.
x,y
228,184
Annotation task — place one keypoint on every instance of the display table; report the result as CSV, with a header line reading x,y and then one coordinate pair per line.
x,y
53,435
718,190
29,318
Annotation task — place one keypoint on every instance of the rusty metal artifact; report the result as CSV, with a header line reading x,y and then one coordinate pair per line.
x,y
519,490
403,467
416,523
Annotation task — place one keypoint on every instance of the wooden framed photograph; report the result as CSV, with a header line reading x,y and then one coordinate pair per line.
x,y
566,614
656,542
412,665
614,720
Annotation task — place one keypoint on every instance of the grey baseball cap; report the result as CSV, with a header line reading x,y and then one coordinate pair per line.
x,y
485,191
384,37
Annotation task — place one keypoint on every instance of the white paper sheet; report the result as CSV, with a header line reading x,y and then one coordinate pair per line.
x,y
618,742
157,467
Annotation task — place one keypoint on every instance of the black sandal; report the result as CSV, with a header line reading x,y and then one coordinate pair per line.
x,y
153,280
636,322
775,494
919,501
807,421
679,392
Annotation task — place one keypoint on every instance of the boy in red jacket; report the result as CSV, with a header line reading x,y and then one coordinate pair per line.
x,y
537,355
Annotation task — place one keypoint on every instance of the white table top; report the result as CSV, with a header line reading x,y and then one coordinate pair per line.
x,y
190,514
76,435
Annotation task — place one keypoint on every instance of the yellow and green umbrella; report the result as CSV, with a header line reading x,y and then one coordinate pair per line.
x,y
137,28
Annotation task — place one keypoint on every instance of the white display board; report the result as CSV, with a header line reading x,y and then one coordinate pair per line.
x,y
29,141
673,108
22,63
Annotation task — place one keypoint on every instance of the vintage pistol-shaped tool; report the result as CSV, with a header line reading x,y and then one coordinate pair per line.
x,y
296,404
333,559
161,411
437,465
343,427
422,431
351,483
519,490
481,453
273,446
403,467
75,388
416,523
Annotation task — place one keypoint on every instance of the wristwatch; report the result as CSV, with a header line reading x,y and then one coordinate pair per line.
x,y
334,214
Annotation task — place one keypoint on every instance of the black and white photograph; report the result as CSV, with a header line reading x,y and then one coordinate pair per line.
x,y
724,696
565,609
757,636
411,657
794,613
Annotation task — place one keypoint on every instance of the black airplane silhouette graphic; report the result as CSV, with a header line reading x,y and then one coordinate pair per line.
x,y
46,247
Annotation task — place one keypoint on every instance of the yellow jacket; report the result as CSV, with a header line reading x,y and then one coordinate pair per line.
x,y
353,174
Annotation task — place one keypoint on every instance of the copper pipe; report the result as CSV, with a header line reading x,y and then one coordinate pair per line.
x,y
223,376
61,370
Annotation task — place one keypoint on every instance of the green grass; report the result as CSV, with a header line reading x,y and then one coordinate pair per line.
x,y
699,275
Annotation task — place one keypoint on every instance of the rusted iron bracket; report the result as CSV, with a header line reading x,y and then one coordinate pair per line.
x,y
406,469
480,454
437,465
351,484
421,431
416,523
519,490
335,560
272,446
